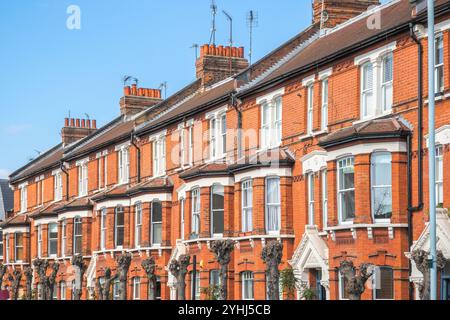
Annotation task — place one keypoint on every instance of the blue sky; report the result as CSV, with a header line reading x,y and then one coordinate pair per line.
x,y
47,69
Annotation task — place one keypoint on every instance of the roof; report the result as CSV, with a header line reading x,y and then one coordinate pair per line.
x,y
75,204
341,40
267,158
17,220
45,161
373,129
125,191
6,198
206,170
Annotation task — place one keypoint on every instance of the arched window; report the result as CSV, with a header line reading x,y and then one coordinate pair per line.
x,y
381,183
119,226
247,285
77,235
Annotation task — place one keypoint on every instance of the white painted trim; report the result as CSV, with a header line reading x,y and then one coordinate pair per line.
x,y
367,225
325,74
375,54
270,96
152,197
11,230
365,148
73,214
23,185
157,135
122,145
101,154
442,136
308,80
45,221
263,173
56,171
314,161
215,113
208,182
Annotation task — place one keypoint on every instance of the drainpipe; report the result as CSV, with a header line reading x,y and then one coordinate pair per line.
x,y
63,169
133,136
235,103
419,207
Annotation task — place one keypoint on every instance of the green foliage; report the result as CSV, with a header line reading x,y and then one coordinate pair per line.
x,y
211,292
288,282
308,294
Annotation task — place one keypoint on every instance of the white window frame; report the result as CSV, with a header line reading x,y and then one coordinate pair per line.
x,y
341,192
271,122
82,179
191,145
50,240
195,211
375,281
39,241
63,237
311,200
182,213
217,135
276,205
136,288
182,150
119,226
373,187
368,94
155,223
439,162
124,164
103,224
439,45
248,279
77,221
62,290
159,156
116,289
58,192
23,199
325,97
387,86
7,250
247,206
213,211
310,108
17,247
1,244
341,279
324,177
138,224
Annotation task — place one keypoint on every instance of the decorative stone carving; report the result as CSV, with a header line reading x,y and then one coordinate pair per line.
x,y
105,289
28,273
3,270
420,258
15,281
222,249
355,284
271,255
123,264
178,268
149,267
80,269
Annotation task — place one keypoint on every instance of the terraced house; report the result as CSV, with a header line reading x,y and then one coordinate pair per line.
x,y
320,145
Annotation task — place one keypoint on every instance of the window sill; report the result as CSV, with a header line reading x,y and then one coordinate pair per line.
x,y
312,134
378,116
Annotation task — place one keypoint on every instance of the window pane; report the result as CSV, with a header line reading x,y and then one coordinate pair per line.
x,y
385,283
382,173
156,211
348,204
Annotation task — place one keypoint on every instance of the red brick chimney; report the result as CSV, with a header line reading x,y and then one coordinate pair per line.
x,y
338,11
76,129
137,99
218,63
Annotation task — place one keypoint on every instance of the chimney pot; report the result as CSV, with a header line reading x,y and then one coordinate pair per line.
x,y
134,89
127,91
83,123
88,123
77,123
72,122
66,122
94,124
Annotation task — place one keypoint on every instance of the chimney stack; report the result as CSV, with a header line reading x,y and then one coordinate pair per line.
x,y
339,11
76,129
218,63
137,99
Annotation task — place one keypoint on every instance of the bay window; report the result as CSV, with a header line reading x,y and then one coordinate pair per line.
x,y
119,226
439,176
310,180
18,247
156,223
324,112
324,176
439,64
77,235
124,164
103,215
53,239
195,211
273,205
271,123
182,204
247,285
247,206
82,179
386,82
381,184
217,210
137,224
346,189
367,90
310,108
159,156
